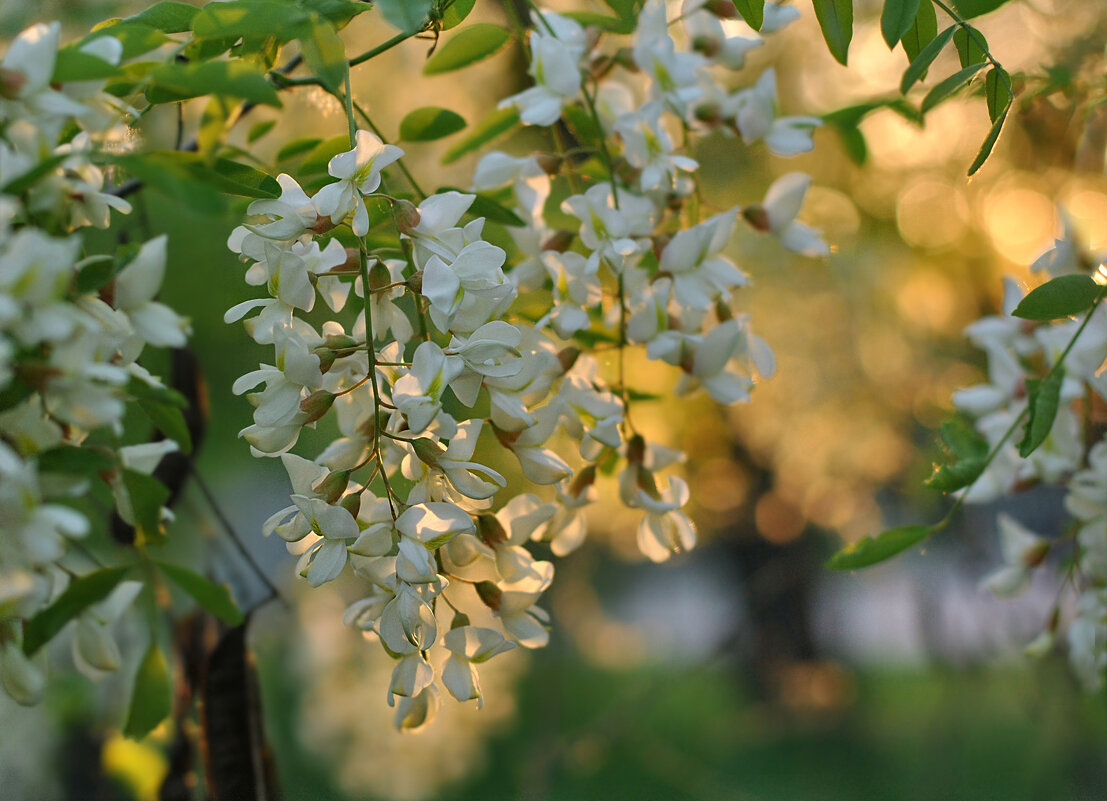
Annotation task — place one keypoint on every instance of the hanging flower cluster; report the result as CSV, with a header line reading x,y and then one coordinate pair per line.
x,y
1047,366
72,327
443,350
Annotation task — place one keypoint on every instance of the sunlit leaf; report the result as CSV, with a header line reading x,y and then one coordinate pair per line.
x,y
997,93
407,15
429,123
989,141
251,18
325,54
969,48
897,18
467,46
1061,297
148,496
456,13
167,16
918,67
922,32
974,8
947,87
836,21
176,81
871,551
752,11
495,124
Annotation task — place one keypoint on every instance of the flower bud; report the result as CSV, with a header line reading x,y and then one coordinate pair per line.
x,y
490,595
550,163
1033,557
758,218
11,83
491,530
723,310
351,265
648,483
582,481
636,449
707,45
407,215
317,404
724,9
322,226
352,502
567,357
379,277
461,620
326,358
332,485
560,241
427,450
710,113
415,283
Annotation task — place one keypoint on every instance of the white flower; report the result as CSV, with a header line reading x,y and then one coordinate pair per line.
x,y
470,646
359,173
1022,550
694,261
782,203
291,215
136,285
554,66
418,393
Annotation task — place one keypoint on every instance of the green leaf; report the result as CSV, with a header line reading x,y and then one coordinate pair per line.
x,y
215,598
298,146
468,46
141,390
950,85
853,142
174,180
752,11
897,18
1044,399
601,21
167,16
996,92
73,65
870,551
79,461
484,206
921,32
82,592
918,67
974,8
168,420
407,15
962,439
582,125
495,124
967,42
955,476
316,161
147,496
17,186
251,18
989,141
429,123
260,130
136,38
338,12
1061,297
325,54
836,20
456,13
213,126
176,81
151,696
970,453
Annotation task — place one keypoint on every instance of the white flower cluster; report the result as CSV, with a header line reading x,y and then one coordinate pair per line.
x,y
437,351
72,327
1073,455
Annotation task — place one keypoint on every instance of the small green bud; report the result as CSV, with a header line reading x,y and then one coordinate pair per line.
x,y
427,450
407,215
332,485
460,621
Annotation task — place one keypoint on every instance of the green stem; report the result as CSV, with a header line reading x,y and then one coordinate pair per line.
x,y
382,48
367,303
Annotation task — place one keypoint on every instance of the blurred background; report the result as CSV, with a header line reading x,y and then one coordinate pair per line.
x,y
743,670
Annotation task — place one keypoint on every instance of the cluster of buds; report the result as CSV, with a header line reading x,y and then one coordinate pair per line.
x,y
72,328
438,345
